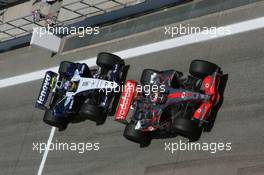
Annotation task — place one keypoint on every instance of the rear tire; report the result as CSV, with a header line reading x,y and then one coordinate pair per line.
x,y
67,68
137,136
107,60
147,76
51,120
93,112
201,68
187,128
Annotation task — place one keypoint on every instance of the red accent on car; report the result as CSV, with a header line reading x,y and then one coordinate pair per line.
x,y
175,95
179,95
210,88
125,101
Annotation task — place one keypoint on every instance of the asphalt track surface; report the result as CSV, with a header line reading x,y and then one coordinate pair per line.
x,y
239,121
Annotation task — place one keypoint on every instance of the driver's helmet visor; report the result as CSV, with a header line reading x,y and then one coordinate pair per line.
x,y
59,84
66,85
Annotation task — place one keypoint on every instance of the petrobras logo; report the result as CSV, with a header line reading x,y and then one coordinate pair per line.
x,y
44,90
125,101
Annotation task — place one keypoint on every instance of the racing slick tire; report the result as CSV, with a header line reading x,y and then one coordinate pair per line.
x,y
137,136
147,75
107,60
93,112
187,128
51,120
67,67
201,68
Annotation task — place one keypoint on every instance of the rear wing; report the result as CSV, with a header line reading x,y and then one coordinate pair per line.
x,y
125,101
48,84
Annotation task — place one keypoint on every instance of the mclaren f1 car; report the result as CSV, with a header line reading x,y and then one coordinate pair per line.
x,y
172,104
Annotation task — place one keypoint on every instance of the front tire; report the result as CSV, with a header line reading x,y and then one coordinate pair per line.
x,y
137,136
187,128
201,68
94,113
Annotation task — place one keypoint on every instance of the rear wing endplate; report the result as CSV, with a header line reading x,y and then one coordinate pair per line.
x,y
48,84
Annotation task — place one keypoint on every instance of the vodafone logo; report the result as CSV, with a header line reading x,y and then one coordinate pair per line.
x,y
125,100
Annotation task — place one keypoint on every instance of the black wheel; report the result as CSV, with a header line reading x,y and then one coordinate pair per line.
x,y
51,120
148,75
187,128
67,68
130,133
201,68
107,60
93,112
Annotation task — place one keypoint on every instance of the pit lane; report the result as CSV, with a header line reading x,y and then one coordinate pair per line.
x,y
240,120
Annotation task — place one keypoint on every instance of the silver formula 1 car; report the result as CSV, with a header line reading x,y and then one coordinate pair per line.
x,y
171,104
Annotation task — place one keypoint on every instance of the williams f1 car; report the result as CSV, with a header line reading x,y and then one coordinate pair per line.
x,y
171,104
77,93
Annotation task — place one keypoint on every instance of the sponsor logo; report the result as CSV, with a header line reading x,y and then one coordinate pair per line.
x,y
89,83
44,89
107,84
125,100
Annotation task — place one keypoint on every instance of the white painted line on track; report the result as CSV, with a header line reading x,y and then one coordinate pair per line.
x,y
236,28
41,167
